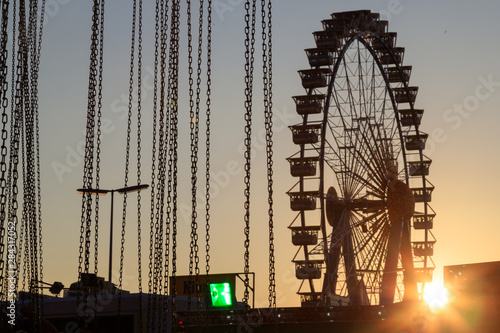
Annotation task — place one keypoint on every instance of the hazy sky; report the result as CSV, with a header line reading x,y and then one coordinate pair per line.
x,y
452,46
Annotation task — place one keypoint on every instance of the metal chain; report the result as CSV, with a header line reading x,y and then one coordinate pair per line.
x,y
19,101
153,172
270,160
249,60
14,165
35,70
20,87
98,136
89,147
29,191
4,102
19,109
35,49
194,130
157,206
127,153
173,96
174,135
195,141
193,149
13,175
139,96
84,249
160,306
268,114
15,130
6,185
28,78
207,134
164,134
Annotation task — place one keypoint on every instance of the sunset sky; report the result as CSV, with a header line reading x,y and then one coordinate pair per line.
x,y
452,46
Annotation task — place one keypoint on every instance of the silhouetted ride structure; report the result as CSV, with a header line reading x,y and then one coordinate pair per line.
x,y
360,130
363,224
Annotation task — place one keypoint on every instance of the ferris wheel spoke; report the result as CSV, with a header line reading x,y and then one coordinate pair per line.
x,y
366,250
373,144
381,236
371,167
373,163
363,177
370,236
374,259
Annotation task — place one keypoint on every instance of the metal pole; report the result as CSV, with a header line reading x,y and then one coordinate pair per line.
x,y
111,238
103,192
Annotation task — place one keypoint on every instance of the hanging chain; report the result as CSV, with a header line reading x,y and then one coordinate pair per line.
x,y
30,190
272,271
196,120
13,176
173,143
15,130
152,242
194,113
249,60
86,217
163,136
19,98
4,102
37,133
28,88
139,226
35,65
98,136
154,304
207,134
193,148
35,97
19,102
127,151
268,115
89,133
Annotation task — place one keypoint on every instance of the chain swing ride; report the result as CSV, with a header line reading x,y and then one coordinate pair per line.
x,y
360,155
164,178
21,255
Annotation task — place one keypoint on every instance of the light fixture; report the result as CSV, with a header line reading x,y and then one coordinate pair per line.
x,y
126,189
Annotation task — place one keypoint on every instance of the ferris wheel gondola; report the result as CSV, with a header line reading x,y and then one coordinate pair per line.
x,y
364,220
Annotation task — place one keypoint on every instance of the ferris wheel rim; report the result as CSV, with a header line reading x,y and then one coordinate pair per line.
x,y
350,219
329,93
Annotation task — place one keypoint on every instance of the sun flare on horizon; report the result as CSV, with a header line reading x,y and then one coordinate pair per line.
x,y
436,295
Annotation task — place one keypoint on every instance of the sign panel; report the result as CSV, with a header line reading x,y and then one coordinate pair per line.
x,y
218,290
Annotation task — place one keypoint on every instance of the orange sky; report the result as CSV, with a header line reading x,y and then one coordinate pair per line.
x,y
451,45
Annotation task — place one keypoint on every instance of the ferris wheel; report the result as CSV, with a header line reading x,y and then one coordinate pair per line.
x,y
363,228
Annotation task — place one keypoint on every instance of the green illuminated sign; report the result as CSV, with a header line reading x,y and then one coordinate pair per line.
x,y
221,295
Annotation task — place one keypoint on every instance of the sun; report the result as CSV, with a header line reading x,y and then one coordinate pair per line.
x,y
436,295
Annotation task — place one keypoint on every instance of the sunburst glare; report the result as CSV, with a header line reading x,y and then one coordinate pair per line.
x,y
436,295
